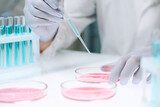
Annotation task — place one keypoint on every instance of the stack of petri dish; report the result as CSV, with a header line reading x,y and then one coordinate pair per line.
x,y
92,83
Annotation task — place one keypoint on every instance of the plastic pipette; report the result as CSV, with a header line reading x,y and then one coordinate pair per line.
x,y
73,27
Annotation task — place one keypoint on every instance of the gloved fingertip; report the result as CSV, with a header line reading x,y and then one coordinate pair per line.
x,y
60,19
148,80
124,81
113,79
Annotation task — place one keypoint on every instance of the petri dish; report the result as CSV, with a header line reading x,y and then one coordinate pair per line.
x,y
20,91
107,68
93,74
84,91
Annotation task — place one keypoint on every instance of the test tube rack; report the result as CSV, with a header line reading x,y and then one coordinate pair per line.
x,y
19,47
19,39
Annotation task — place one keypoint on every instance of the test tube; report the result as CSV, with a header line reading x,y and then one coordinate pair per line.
x,y
30,47
1,45
23,43
9,28
16,44
155,80
153,89
156,44
28,30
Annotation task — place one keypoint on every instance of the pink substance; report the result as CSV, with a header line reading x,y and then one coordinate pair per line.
x,y
88,93
20,94
94,77
107,68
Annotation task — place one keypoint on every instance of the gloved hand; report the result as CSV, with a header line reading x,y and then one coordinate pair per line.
x,y
44,17
129,66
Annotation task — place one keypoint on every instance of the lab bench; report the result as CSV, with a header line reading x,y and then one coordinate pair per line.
x,y
62,67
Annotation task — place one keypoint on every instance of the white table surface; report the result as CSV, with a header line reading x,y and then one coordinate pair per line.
x,y
62,68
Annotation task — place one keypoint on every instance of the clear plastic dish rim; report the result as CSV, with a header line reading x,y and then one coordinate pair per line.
x,y
23,82
89,83
77,71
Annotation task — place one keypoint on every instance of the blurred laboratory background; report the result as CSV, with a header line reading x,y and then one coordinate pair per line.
x,y
11,7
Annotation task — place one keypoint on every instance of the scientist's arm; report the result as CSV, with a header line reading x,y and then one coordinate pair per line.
x,y
82,13
45,19
45,45
129,65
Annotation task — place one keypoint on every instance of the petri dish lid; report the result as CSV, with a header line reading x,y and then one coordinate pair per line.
x,y
83,91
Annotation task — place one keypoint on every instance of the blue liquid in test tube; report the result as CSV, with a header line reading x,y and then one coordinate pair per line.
x,y
9,25
0,48
156,50
23,43
16,44
28,30
1,45
156,45
30,47
155,80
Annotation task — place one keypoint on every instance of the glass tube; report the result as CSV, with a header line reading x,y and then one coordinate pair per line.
x,y
30,47
1,45
16,44
23,43
9,28
156,44
155,80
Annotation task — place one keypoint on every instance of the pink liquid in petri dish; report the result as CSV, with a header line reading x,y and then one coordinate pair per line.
x,y
20,94
94,77
107,68
88,93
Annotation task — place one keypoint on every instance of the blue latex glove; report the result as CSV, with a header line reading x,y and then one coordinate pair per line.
x,y
44,17
129,66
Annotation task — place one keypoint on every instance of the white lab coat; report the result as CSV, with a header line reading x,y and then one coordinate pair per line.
x,y
124,25
11,7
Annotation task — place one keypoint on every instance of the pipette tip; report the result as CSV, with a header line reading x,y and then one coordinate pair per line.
x,y
88,52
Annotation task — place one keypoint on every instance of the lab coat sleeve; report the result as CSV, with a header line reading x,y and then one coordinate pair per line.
x,y
149,21
82,13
